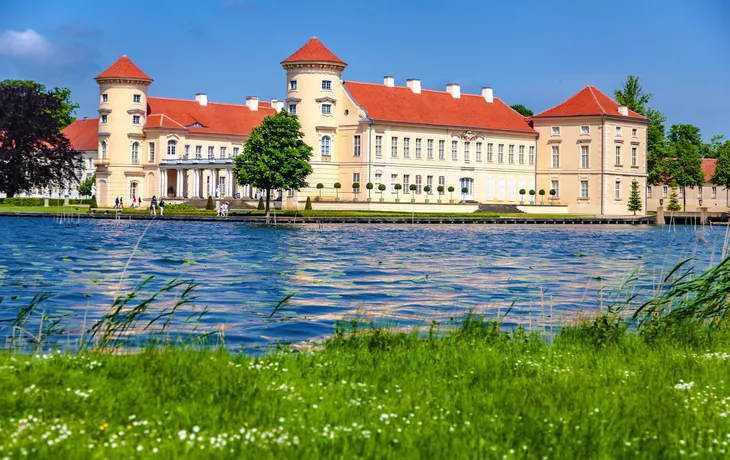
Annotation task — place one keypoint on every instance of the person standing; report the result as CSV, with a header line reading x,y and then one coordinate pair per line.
x,y
162,206
116,202
139,201
153,205
121,202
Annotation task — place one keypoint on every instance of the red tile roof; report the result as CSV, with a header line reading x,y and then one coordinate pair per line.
x,y
313,51
400,104
588,101
708,167
215,118
83,134
124,68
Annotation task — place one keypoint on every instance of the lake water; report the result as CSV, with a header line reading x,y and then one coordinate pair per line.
x,y
397,275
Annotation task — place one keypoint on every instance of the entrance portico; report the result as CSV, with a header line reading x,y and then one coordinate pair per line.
x,y
197,179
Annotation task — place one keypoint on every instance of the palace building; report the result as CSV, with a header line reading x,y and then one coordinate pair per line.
x,y
589,149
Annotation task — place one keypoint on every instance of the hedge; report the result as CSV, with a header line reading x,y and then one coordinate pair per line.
x,y
39,201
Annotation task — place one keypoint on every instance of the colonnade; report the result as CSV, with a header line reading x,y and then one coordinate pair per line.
x,y
201,183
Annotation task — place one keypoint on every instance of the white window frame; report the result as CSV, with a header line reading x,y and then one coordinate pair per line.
x,y
555,185
211,152
442,150
171,148
104,119
406,183
618,155
648,191
454,150
378,146
326,109
137,98
555,156
326,85
293,109
511,154
135,153
583,194
393,181
618,131
418,148
104,98
418,184
714,191
617,190
585,156
198,152
634,156
585,130
406,147
531,156
634,132
467,146
151,152
292,85
222,152
479,152
490,153
135,119
555,131
500,153
356,145
235,151
521,154
325,149
429,149
394,146
103,150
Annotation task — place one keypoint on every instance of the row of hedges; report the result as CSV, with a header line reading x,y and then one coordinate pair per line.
x,y
40,201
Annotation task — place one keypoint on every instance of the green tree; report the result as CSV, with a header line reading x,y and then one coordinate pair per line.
x,y
64,112
308,204
397,188
451,191
686,166
522,110
635,197
320,186
84,187
712,150
686,132
33,151
337,186
369,186
413,189
632,95
275,156
721,176
674,200
658,170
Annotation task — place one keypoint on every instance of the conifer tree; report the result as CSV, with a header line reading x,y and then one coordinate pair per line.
x,y
674,200
635,198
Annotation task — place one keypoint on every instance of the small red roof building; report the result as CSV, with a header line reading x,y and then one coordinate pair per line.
x,y
437,108
314,51
83,134
586,102
124,68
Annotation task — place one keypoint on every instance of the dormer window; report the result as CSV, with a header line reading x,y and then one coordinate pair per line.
x,y
104,98
556,130
585,130
293,85
618,130
197,125
326,85
137,98
326,109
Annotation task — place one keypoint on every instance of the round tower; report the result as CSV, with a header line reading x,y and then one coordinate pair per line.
x,y
122,116
314,92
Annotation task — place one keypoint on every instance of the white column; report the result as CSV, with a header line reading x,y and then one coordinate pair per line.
x,y
178,189
229,183
194,193
163,183
211,185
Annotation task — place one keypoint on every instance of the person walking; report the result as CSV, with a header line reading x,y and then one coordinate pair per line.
x,y
116,202
121,202
153,205
162,206
139,201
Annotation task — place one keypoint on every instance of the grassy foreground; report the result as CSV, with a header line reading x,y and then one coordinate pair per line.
x,y
472,393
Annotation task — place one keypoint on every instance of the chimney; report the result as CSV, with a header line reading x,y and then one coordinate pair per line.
x,y
623,110
202,99
454,89
389,81
252,102
488,94
414,84
277,105
86,119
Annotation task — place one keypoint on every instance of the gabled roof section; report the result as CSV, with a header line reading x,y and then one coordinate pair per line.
x,y
231,119
83,134
588,101
400,104
708,167
124,68
313,51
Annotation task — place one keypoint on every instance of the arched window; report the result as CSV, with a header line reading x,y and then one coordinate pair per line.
x,y
135,153
325,146
133,190
171,146
103,150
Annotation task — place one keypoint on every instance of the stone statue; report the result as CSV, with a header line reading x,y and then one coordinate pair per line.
x,y
217,192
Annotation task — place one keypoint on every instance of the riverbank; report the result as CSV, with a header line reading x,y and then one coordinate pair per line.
x,y
373,393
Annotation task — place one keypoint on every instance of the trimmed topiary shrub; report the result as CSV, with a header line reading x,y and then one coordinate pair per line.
x,y
308,205
39,201
260,207
209,206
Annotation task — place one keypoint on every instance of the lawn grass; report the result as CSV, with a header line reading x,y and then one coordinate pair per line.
x,y
472,393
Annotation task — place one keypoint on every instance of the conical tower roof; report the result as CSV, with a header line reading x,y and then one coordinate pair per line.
x,y
314,51
124,68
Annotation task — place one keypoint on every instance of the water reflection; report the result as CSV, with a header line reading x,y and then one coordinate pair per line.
x,y
402,276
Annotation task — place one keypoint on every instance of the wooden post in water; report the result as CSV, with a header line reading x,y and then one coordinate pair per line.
x,y
703,216
660,215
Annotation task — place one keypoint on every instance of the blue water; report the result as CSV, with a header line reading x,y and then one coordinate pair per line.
x,y
395,275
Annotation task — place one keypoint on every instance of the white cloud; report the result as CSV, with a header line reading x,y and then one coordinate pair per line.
x,y
25,45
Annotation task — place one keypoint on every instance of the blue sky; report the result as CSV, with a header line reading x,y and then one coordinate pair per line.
x,y
534,53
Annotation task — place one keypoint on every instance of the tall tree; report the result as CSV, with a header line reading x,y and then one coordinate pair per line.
x,y
85,186
687,170
721,175
635,197
632,95
712,150
275,156
656,148
522,110
685,132
64,114
33,152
